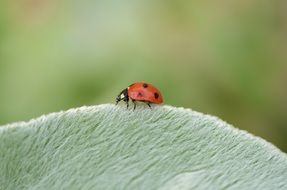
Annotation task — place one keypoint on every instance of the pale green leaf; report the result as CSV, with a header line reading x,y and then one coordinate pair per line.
x,y
109,147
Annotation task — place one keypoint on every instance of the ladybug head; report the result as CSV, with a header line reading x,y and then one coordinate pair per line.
x,y
123,96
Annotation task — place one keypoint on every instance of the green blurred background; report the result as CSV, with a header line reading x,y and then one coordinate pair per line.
x,y
225,58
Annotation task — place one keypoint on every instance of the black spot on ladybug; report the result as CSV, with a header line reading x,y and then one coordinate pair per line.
x,y
140,94
156,95
145,85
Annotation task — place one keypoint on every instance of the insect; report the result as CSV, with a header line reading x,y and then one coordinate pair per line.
x,y
140,91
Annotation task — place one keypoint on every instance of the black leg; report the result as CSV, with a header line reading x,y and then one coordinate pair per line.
x,y
134,104
127,104
126,99
148,105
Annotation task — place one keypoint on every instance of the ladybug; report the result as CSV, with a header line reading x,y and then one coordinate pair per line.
x,y
142,92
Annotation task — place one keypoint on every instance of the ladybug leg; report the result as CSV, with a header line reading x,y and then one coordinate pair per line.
x,y
134,104
126,99
148,103
127,102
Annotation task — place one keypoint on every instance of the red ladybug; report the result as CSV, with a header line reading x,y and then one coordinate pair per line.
x,y
140,91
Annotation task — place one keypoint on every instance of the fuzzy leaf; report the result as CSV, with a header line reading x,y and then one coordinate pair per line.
x,y
109,147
